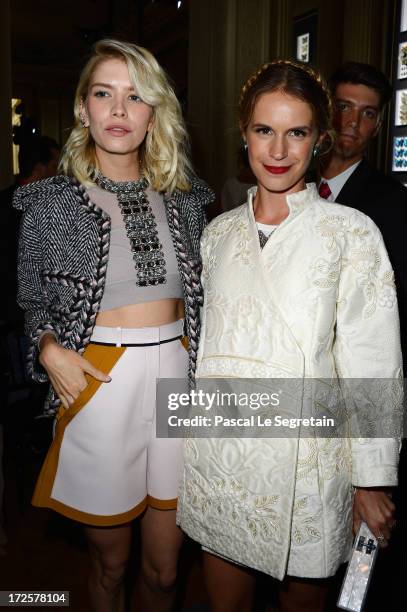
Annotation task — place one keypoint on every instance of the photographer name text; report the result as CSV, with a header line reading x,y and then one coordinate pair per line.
x,y
254,420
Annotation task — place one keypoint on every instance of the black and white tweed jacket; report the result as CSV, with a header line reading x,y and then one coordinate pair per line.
x,y
63,254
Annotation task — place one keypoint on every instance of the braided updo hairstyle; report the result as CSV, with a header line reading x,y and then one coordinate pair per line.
x,y
295,79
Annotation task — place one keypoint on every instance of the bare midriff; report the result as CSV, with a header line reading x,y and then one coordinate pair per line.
x,y
146,314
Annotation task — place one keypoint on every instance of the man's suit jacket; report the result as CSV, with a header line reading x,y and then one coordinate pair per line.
x,y
384,200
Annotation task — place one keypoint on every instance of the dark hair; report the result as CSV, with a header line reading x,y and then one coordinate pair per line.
x,y
33,151
358,73
294,78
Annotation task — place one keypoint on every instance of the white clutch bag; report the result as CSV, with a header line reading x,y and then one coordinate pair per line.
x,y
359,572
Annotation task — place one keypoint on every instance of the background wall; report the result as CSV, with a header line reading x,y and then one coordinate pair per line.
x,y
6,159
208,48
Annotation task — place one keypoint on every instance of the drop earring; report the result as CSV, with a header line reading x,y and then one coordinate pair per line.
x,y
315,151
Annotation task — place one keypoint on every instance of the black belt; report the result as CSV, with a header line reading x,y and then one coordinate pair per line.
x,y
140,344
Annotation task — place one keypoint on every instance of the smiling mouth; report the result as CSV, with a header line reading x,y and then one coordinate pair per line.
x,y
277,169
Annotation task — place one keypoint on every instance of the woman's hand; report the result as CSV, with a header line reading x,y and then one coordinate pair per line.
x,y
375,508
66,370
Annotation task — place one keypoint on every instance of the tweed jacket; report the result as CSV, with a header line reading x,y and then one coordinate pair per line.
x,y
318,301
63,255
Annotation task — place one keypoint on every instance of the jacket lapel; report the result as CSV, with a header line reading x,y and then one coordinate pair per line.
x,y
352,191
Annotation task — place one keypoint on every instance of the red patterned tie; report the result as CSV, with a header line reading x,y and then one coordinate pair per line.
x,y
324,190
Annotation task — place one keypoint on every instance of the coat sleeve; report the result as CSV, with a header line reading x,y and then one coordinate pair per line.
x,y
368,357
205,251
198,200
30,295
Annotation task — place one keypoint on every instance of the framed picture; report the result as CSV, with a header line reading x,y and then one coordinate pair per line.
x,y
396,145
399,154
402,61
303,47
305,29
400,117
403,16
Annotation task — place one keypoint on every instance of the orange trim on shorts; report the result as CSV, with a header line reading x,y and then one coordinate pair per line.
x,y
162,504
103,358
111,520
97,520
114,519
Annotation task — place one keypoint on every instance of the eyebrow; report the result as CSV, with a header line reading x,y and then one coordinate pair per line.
x,y
376,108
108,86
294,127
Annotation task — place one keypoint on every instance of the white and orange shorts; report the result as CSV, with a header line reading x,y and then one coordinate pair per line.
x,y
105,464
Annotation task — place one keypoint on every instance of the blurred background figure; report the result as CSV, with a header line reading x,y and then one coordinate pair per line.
x,y
234,191
38,159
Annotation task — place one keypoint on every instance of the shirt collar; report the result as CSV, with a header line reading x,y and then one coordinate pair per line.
x,y
337,182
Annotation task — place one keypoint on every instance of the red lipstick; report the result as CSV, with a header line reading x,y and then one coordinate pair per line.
x,y
277,169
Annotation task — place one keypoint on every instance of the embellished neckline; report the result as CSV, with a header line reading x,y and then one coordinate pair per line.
x,y
141,228
121,187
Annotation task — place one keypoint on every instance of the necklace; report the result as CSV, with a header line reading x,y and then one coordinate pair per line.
x,y
262,238
141,228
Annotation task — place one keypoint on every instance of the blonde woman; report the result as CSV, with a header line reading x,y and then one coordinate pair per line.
x,y
108,258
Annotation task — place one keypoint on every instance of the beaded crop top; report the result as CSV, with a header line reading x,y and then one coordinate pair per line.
x,y
142,265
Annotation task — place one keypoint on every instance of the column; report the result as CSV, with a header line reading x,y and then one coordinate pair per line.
x,y
6,157
227,41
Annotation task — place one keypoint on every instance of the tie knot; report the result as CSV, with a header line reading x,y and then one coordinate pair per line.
x,y
324,190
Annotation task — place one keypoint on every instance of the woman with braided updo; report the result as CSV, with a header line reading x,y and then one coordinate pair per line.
x,y
295,287
109,254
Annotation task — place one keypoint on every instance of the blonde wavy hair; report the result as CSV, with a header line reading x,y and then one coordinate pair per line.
x,y
296,79
164,152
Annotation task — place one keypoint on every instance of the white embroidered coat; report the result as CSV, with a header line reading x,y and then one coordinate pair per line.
x,y
318,301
